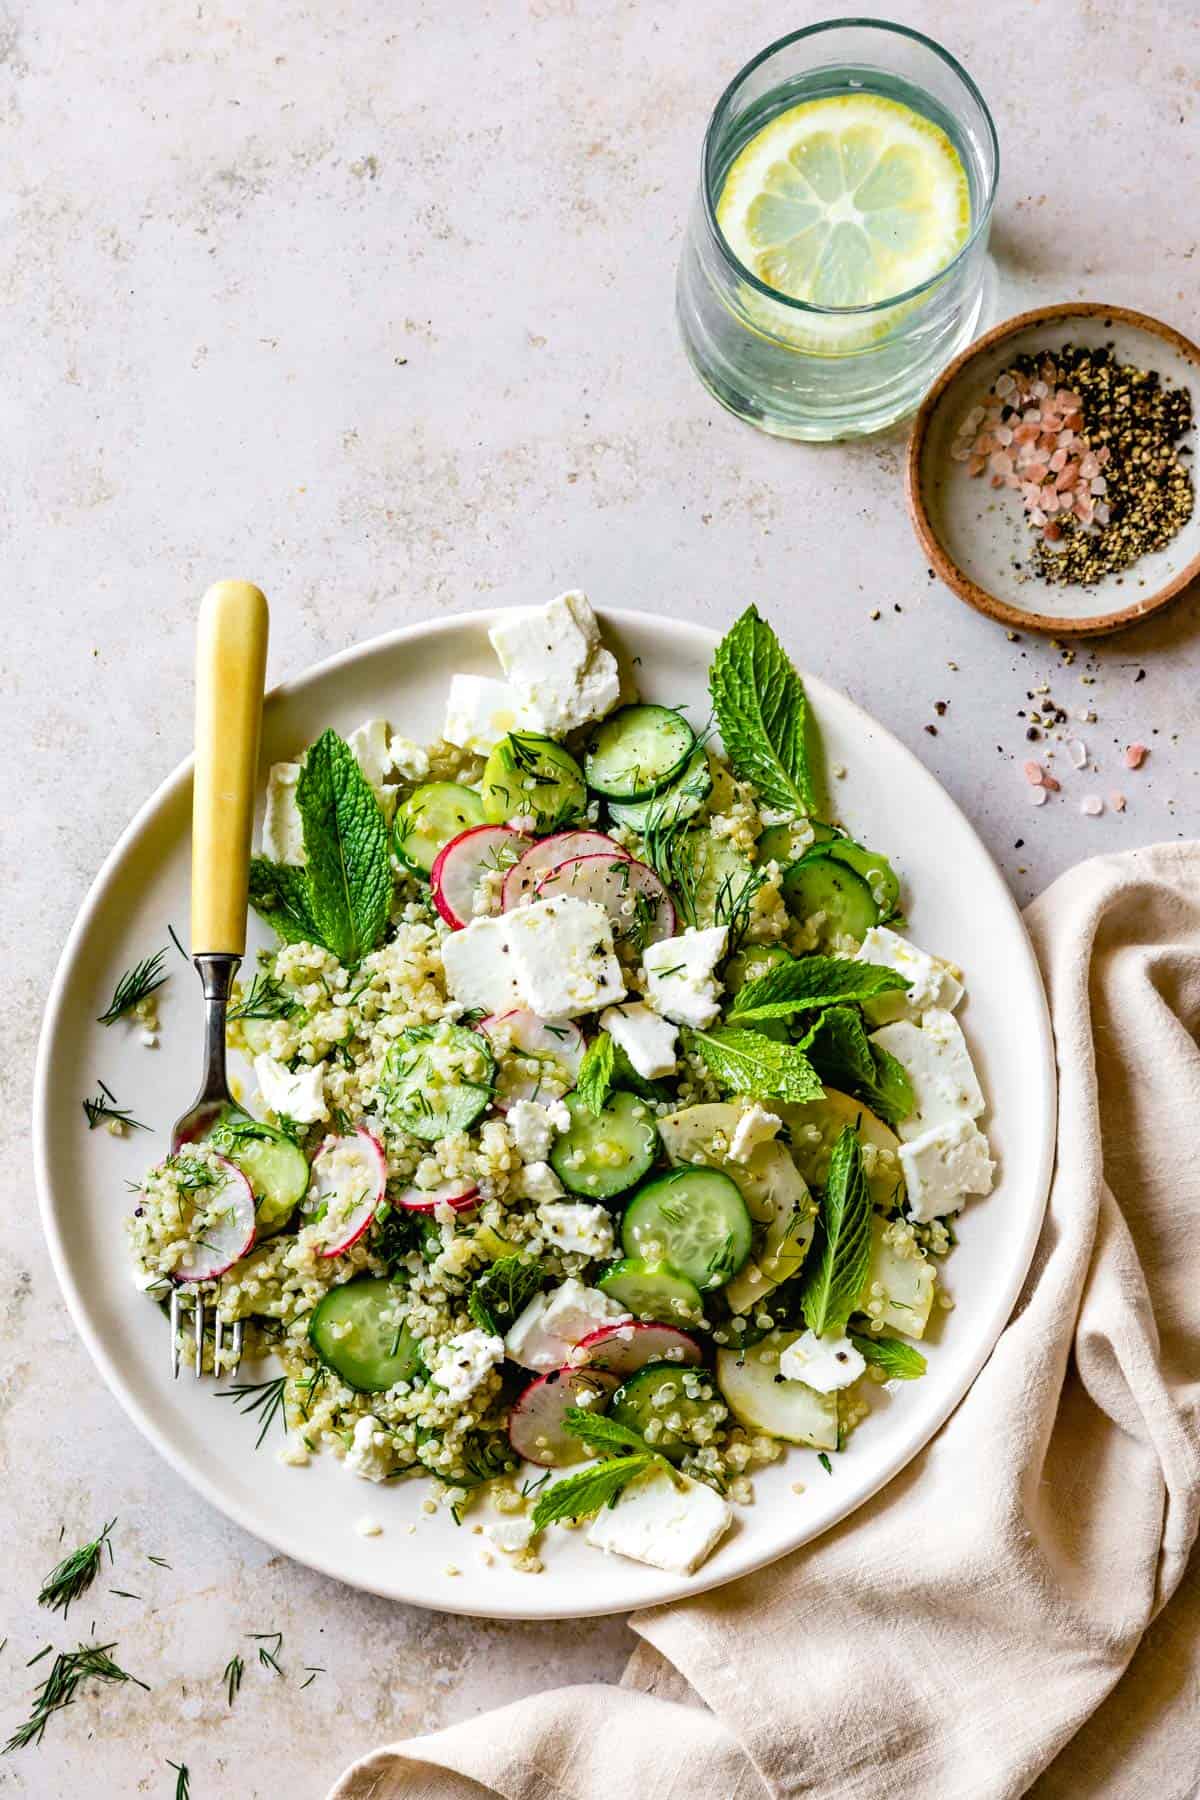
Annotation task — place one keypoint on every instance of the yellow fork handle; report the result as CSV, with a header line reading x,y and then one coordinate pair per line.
x,y
231,662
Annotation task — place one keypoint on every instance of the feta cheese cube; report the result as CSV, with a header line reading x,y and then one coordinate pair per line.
x,y
935,1058
538,1182
369,747
561,952
932,982
283,832
646,1038
576,1227
409,760
664,1519
478,967
510,1535
544,1334
531,1128
479,712
755,1126
562,675
462,1362
369,1455
679,975
825,1363
943,1166
299,1096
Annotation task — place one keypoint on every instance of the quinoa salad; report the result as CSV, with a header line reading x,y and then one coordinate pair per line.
x,y
605,1129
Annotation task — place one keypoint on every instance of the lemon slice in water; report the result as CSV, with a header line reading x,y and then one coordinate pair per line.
x,y
846,201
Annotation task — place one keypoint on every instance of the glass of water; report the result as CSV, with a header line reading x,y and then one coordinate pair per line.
x,y
835,257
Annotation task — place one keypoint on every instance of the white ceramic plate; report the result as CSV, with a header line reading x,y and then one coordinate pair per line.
x,y
959,906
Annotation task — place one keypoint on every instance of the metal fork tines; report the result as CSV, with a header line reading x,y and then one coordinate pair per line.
x,y
235,1342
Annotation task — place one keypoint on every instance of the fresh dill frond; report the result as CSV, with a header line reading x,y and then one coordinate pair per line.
x,y
312,1670
268,1658
235,1668
262,1397
177,944
104,1107
134,986
88,1662
75,1573
265,998
183,1785
160,1560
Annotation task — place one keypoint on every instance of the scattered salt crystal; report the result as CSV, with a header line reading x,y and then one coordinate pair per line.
x,y
1101,514
961,451
1083,713
1077,752
1004,436
977,465
974,418
1092,806
1037,796
1116,801
1058,460
1049,781
1004,385
1098,485
1135,756
1034,773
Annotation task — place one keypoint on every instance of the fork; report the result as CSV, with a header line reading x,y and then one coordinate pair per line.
x,y
231,660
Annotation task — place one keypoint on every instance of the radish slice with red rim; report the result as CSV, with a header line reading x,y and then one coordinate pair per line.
x,y
617,884
462,865
623,1348
349,1177
458,1195
536,1424
546,854
557,1050
221,1225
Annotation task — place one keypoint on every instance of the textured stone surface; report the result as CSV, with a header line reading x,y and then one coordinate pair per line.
x,y
373,303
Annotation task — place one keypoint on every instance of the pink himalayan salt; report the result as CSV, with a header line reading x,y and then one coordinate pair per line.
x,y
1135,756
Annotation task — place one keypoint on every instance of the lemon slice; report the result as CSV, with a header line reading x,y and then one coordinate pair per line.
x,y
846,201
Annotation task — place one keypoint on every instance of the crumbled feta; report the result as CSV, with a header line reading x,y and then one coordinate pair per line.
x,y
409,761
943,1166
679,975
663,1519
369,1455
538,1182
368,745
935,1058
510,1535
479,712
755,1126
460,1364
647,1039
931,981
478,968
531,1128
576,1227
825,1363
544,1334
562,675
298,1095
283,831
561,952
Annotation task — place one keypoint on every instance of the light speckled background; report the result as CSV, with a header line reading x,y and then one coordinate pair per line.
x,y
373,303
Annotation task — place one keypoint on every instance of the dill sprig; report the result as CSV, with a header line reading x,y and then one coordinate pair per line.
x,y
177,944
104,1106
134,986
88,1662
262,1397
268,1658
265,998
235,1668
312,1671
75,1573
183,1784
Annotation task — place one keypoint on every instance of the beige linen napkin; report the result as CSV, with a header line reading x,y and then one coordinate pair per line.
x,y
963,1634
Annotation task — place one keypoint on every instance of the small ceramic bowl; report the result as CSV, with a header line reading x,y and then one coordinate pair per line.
x,y
976,537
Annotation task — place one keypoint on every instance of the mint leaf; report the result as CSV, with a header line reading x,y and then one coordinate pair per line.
x,y
746,1062
279,894
761,709
845,1057
898,1359
504,1290
810,982
579,1496
843,1251
595,1077
345,842
601,1433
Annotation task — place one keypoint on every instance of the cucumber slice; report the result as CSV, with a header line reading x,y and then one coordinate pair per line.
x,y
664,1403
759,1397
715,875
637,752
357,1331
276,1168
908,1284
694,1219
681,800
819,883
751,963
875,870
429,818
652,1291
437,1079
602,1154
532,777
778,842
815,1128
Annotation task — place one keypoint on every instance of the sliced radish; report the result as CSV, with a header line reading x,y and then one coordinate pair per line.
x,y
460,866
624,1348
349,1174
536,1428
546,854
223,1218
456,1194
615,883
556,1048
